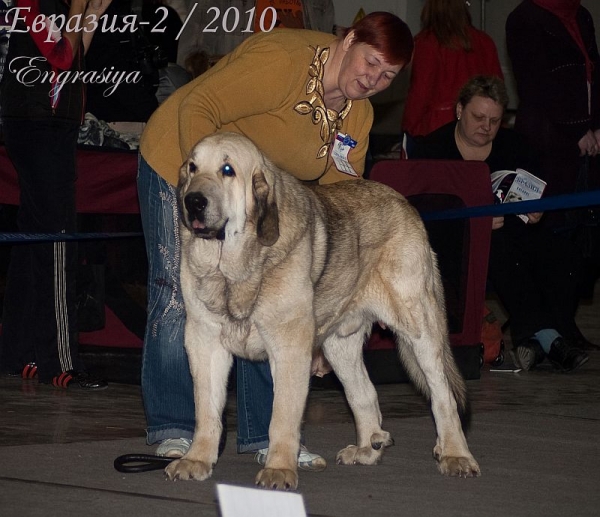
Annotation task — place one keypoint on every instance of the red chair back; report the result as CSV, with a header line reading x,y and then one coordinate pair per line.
x,y
441,184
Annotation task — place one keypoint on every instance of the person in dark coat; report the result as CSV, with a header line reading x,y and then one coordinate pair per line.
x,y
555,60
556,65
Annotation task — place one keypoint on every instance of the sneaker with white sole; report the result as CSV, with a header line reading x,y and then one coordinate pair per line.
x,y
306,460
173,447
528,355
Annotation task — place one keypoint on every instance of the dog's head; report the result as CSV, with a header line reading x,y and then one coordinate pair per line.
x,y
227,186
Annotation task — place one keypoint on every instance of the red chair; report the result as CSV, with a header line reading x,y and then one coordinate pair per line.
x,y
462,246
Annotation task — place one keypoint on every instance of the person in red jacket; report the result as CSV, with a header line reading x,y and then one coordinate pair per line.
x,y
448,52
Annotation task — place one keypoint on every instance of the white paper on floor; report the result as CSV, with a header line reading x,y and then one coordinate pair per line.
x,y
236,501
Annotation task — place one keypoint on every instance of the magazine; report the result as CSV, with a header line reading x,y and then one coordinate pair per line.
x,y
519,185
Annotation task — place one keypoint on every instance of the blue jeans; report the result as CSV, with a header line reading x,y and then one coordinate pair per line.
x,y
167,387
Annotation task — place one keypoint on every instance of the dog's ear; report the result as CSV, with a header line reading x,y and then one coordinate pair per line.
x,y
181,186
267,221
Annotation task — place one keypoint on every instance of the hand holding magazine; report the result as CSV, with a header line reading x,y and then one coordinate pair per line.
x,y
519,185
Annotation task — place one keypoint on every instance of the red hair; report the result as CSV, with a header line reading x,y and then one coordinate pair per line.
x,y
387,34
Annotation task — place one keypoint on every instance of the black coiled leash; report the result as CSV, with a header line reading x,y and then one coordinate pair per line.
x,y
134,463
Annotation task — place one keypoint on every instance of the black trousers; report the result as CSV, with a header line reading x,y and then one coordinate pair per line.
x,y
39,317
535,274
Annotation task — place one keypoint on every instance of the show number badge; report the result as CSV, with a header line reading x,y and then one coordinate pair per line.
x,y
342,146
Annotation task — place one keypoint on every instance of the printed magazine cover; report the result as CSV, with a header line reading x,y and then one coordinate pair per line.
x,y
519,185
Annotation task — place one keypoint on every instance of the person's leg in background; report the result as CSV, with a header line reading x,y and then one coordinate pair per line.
x,y
167,386
557,268
18,336
511,277
17,355
517,258
47,205
255,403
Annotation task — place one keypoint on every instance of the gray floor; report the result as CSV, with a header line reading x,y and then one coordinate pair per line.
x,y
534,434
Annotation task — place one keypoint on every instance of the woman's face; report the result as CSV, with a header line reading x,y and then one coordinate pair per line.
x,y
479,120
364,71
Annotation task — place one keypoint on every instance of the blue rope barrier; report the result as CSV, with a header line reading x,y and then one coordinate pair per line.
x,y
31,238
564,201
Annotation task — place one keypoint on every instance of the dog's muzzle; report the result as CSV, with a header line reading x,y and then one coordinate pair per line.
x,y
195,204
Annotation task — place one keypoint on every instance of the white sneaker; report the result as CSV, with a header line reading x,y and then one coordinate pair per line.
x,y
306,460
173,447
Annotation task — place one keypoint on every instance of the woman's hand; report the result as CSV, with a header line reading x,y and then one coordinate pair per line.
x,y
497,222
534,217
589,144
97,7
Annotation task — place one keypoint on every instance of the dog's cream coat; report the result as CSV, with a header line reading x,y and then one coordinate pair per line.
x,y
272,269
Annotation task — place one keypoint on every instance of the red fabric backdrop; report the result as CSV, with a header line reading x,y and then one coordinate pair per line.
x,y
106,182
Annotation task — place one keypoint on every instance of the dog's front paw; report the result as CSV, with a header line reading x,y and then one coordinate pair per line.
x,y
459,466
369,455
188,469
277,479
354,455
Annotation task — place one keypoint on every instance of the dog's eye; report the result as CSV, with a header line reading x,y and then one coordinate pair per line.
x,y
227,170
192,167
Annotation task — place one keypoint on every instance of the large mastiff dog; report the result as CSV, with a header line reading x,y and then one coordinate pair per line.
x,y
272,269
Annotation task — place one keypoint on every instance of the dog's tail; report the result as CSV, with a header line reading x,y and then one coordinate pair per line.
x,y
457,386
455,380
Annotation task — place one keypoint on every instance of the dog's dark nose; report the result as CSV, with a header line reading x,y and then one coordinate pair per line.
x,y
195,203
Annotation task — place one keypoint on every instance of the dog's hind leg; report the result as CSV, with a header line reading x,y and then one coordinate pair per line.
x,y
345,356
209,364
425,352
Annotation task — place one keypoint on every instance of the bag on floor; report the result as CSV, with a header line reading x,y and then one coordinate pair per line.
x,y
491,339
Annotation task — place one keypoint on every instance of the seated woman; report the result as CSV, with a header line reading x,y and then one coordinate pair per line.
x,y
532,270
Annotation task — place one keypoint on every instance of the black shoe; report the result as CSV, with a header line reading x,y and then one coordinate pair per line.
x,y
528,355
565,357
80,380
